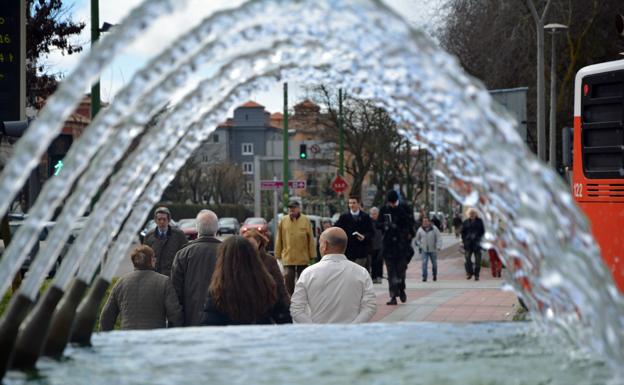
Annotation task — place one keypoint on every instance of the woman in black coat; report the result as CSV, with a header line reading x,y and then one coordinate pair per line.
x,y
241,291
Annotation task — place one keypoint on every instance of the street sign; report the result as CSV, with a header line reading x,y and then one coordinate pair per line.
x,y
277,184
339,184
271,185
297,184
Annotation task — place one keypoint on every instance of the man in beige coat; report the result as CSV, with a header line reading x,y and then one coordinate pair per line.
x,y
144,298
294,244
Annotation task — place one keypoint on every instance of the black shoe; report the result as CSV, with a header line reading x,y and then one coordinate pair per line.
x,y
476,277
435,278
392,301
403,296
424,279
468,276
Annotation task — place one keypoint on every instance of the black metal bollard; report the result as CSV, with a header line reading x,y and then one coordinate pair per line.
x,y
88,312
9,326
33,333
62,320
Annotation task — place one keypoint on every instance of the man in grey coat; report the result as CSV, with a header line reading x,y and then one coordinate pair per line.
x,y
193,266
429,241
164,240
144,298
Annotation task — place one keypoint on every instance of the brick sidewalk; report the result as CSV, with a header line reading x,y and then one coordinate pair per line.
x,y
452,298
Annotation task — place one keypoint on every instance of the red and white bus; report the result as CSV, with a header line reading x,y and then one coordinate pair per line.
x,y
598,158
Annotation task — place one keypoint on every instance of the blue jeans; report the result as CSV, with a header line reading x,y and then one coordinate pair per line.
x,y
426,255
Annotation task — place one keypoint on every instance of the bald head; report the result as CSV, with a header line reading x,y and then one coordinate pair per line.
x,y
333,241
207,223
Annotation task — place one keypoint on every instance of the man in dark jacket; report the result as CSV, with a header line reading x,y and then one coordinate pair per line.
x,y
359,228
164,240
397,222
472,232
193,267
144,298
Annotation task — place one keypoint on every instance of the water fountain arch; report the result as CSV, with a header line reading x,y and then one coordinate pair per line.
x,y
477,150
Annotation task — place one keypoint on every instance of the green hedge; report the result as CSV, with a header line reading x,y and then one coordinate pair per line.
x,y
183,210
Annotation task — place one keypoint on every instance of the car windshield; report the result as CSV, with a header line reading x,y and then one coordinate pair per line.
x,y
227,221
255,221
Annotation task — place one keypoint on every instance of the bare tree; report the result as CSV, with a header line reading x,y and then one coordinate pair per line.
x,y
226,183
364,125
474,27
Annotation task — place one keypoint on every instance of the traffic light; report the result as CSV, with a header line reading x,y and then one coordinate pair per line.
x,y
303,151
56,152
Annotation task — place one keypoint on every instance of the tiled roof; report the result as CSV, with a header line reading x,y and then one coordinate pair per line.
x,y
307,103
251,104
227,124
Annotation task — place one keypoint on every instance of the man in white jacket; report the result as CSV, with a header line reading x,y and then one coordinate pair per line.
x,y
429,241
334,290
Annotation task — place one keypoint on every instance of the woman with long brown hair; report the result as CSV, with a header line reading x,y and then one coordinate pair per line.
x,y
260,240
241,290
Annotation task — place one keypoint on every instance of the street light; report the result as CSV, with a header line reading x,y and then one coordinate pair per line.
x,y
553,28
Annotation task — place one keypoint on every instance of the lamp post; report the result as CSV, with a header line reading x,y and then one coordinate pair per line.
x,y
553,28
539,32
95,36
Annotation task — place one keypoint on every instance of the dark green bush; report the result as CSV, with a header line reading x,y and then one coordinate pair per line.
x,y
183,210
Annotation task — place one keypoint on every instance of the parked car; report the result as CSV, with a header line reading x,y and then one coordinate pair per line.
x,y
256,223
228,225
315,220
189,227
14,225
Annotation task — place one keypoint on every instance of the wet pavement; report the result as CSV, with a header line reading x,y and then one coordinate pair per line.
x,y
452,298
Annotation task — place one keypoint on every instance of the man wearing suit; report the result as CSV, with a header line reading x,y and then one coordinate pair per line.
x,y
359,228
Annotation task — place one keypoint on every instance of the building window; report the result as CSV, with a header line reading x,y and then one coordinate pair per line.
x,y
215,138
247,148
205,158
249,186
247,168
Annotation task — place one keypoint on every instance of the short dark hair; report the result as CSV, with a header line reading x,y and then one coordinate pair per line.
x,y
357,198
162,210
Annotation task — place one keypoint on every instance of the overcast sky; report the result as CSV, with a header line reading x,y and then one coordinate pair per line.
x,y
418,13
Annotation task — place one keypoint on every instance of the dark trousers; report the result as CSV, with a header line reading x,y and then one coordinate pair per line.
x,y
396,267
470,270
376,264
291,274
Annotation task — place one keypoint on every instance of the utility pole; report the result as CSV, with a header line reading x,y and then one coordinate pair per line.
x,y
286,177
95,35
541,108
341,135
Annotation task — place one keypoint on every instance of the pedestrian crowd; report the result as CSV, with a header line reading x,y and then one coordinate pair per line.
x,y
237,281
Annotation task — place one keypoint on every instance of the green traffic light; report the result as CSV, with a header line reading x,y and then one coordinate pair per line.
x,y
58,167
303,155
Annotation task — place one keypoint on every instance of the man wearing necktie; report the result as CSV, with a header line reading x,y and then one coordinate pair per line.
x,y
359,228
164,240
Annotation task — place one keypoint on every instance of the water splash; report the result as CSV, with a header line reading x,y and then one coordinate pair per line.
x,y
371,51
